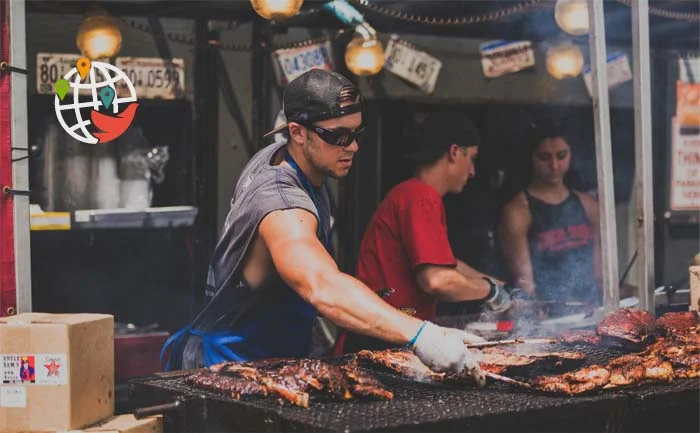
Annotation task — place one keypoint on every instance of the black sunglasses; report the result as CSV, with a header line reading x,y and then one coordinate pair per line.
x,y
338,137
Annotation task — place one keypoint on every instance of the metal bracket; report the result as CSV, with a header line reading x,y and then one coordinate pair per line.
x,y
26,149
8,190
6,68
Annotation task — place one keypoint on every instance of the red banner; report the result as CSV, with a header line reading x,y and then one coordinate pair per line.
x,y
8,283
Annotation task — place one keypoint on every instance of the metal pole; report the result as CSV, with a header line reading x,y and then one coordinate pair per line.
x,y
206,131
261,67
606,193
644,186
20,168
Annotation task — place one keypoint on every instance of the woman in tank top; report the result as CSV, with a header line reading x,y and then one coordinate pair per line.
x,y
549,231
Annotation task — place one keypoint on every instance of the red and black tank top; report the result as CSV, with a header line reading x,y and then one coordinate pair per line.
x,y
561,250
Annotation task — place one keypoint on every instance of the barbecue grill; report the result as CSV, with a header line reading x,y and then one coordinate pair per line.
x,y
429,407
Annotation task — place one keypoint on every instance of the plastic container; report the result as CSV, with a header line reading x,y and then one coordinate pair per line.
x,y
173,216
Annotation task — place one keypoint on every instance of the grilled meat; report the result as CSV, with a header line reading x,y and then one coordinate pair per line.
x,y
401,361
407,364
628,325
365,384
670,323
574,383
499,357
657,370
293,380
625,370
626,374
491,359
498,360
230,386
586,337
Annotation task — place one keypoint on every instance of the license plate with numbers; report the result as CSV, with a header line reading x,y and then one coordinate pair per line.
x,y
51,67
153,77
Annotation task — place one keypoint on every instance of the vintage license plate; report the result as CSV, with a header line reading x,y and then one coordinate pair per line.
x,y
51,67
153,77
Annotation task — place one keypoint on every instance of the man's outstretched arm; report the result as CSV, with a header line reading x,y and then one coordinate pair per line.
x,y
304,264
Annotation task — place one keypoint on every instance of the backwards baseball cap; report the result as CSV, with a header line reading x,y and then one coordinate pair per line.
x,y
440,131
317,95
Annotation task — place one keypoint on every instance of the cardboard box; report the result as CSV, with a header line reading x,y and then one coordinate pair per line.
x,y
118,424
56,371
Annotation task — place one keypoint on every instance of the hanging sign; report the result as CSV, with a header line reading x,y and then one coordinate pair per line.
x,y
688,105
618,72
689,69
292,62
50,67
153,77
685,170
506,57
414,66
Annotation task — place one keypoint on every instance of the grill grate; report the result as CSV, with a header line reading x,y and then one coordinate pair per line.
x,y
437,406
413,404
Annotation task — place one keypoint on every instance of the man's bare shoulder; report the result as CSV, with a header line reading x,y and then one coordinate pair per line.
x,y
293,223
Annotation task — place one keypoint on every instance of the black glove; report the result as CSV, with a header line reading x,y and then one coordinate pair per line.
x,y
498,299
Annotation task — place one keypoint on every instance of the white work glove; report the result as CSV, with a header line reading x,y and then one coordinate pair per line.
x,y
443,349
466,337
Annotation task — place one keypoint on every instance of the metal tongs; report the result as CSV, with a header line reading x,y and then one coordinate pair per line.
x,y
512,341
507,380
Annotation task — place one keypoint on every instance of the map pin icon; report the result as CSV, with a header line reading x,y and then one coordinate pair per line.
x,y
107,96
62,87
83,66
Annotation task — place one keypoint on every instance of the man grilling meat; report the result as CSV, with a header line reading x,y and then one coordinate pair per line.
x,y
405,254
271,271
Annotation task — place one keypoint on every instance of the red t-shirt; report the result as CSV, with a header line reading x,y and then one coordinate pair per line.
x,y
408,229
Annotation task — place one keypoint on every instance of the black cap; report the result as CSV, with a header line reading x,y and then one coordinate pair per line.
x,y
440,131
317,95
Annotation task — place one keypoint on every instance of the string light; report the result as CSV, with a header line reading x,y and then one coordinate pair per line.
x,y
277,9
99,36
564,60
572,16
364,54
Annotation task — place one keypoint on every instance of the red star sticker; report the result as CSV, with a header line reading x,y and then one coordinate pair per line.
x,y
53,368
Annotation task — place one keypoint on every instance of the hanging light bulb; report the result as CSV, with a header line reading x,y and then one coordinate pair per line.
x,y
564,61
364,54
277,9
99,36
572,16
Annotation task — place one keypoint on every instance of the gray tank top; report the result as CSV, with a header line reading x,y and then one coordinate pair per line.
x,y
262,188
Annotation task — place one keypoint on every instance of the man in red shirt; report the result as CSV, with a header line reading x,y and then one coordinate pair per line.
x,y
405,255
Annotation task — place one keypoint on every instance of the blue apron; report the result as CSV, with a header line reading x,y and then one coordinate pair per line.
x,y
281,328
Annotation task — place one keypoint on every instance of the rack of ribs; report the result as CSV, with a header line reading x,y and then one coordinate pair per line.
x,y
677,322
492,359
628,326
402,361
292,380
